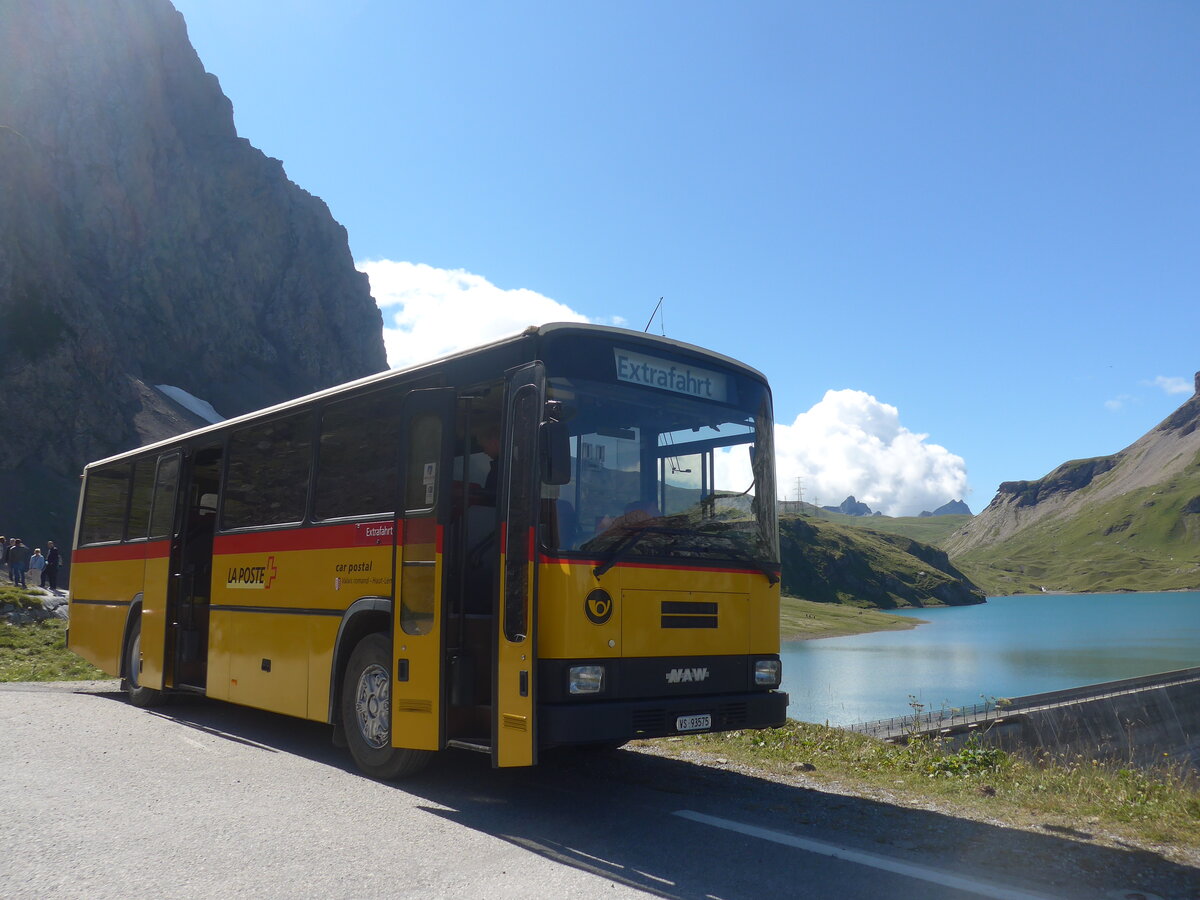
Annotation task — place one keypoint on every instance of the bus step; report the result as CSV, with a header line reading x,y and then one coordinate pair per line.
x,y
478,746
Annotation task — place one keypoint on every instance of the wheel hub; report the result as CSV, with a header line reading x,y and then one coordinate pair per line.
x,y
372,706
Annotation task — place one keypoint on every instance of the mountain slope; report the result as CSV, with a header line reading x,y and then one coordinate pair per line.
x,y
142,242
1130,521
832,563
935,530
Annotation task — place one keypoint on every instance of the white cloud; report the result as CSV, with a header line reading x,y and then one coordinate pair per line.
x,y
1118,403
1173,385
852,444
430,312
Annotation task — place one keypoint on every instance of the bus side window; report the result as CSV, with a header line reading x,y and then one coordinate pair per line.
x,y
139,503
424,452
267,483
166,484
356,468
104,503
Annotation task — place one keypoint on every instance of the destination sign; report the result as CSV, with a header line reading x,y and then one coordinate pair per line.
x,y
670,375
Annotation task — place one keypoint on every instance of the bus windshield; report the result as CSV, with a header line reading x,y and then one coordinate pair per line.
x,y
655,474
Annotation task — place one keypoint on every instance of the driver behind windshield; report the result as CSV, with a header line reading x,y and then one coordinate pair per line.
x,y
638,514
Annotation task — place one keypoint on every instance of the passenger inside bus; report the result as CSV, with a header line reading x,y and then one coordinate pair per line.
x,y
481,514
489,442
637,514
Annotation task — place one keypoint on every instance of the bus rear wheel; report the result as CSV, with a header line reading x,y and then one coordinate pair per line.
x,y
138,695
366,714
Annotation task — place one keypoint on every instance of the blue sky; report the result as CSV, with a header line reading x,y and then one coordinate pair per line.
x,y
976,222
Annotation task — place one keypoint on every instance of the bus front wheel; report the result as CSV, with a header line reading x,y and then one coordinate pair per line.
x,y
366,713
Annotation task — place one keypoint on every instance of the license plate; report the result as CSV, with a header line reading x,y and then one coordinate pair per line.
x,y
693,723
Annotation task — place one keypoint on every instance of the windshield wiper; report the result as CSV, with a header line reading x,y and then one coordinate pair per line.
x,y
627,544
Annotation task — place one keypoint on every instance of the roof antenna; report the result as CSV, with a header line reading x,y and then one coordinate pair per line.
x,y
662,325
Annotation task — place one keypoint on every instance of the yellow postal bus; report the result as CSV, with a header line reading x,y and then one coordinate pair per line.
x,y
567,537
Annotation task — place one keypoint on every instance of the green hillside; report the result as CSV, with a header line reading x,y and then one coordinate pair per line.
x,y
1129,521
829,562
926,529
1147,539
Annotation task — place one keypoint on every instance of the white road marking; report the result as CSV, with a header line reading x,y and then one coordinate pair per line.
x,y
863,858
654,877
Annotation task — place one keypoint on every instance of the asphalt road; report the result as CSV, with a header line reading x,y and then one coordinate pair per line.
x,y
200,799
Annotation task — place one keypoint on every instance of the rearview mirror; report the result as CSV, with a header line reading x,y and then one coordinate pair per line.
x,y
555,451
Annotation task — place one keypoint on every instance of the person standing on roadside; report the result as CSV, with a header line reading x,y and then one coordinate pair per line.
x,y
18,561
3,554
50,572
37,566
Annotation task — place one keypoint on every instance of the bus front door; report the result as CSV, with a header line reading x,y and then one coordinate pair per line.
x,y
157,582
419,572
514,731
191,567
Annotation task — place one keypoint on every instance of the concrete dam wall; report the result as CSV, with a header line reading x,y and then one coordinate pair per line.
x,y
1140,721
1149,725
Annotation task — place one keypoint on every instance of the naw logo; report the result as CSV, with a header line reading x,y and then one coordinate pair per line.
x,y
254,578
682,676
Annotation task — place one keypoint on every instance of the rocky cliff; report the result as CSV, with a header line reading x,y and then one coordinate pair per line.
x,y
851,507
1129,521
950,508
142,242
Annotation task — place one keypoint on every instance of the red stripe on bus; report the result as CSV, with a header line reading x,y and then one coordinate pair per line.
x,y
329,537
320,538
122,552
420,531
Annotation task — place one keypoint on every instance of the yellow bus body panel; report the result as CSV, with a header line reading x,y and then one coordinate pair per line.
x,y
268,662
747,611
515,717
564,630
96,634
644,633
98,625
416,703
154,622
274,649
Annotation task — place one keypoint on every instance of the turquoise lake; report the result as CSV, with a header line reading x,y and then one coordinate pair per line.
x,y
1007,647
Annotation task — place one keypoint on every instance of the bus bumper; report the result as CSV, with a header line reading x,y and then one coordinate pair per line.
x,y
593,723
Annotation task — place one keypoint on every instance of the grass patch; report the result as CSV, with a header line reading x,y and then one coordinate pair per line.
x,y
803,619
1160,806
20,597
933,530
38,652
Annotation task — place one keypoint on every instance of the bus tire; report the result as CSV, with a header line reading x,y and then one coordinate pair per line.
x,y
366,713
137,694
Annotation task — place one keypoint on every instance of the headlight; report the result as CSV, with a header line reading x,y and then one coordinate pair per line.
x,y
586,679
767,672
